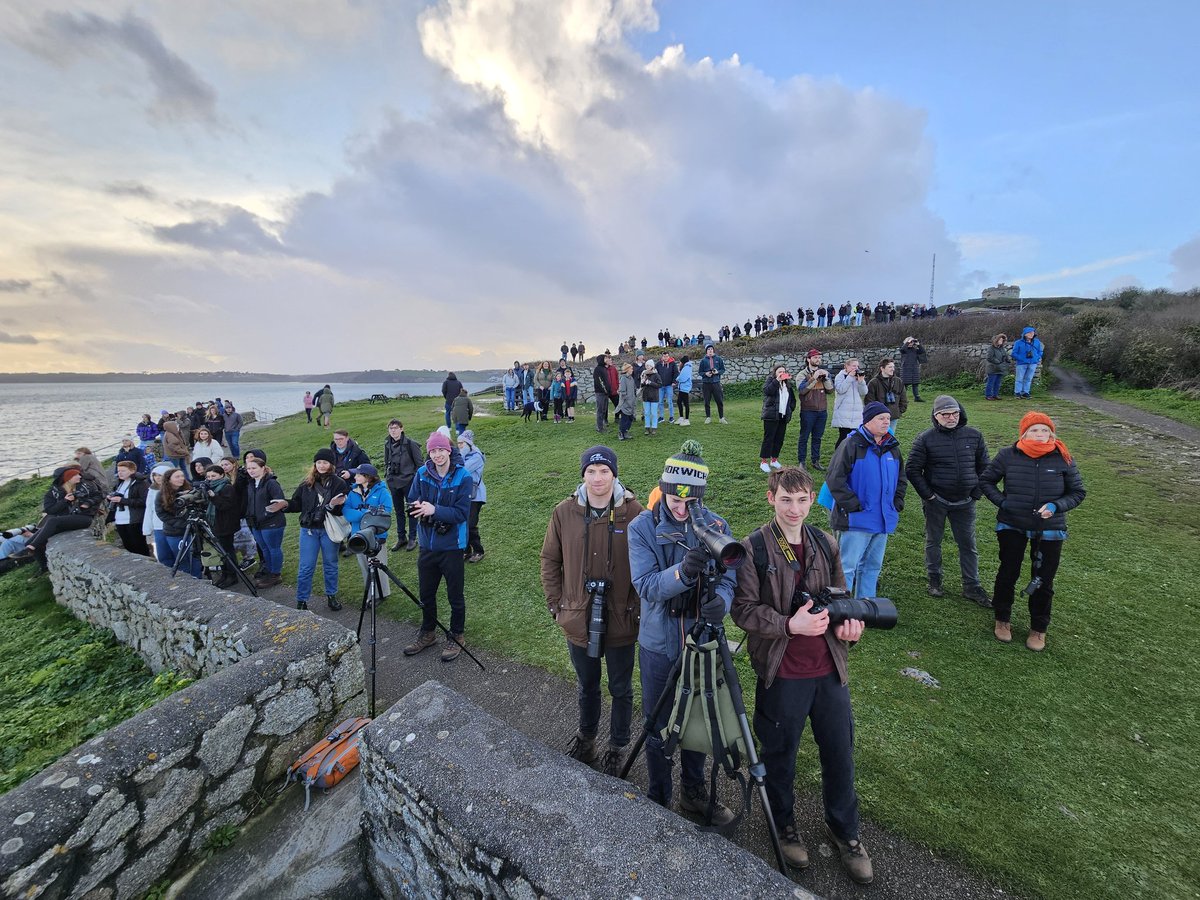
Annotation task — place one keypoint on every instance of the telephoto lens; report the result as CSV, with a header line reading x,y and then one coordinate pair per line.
x,y
597,626
875,612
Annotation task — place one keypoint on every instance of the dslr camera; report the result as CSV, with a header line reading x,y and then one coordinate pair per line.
x,y
598,589
375,521
875,612
438,526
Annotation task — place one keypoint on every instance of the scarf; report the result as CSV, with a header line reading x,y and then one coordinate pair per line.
x,y
1038,449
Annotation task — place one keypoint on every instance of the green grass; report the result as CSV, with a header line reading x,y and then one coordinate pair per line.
x,y
1063,774
1178,405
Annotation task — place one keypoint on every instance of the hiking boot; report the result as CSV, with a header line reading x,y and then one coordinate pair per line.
x,y
978,595
934,588
695,800
795,854
453,648
854,858
268,580
332,602
1003,632
301,604
1036,641
397,547
411,545
613,761
582,748
817,467
423,641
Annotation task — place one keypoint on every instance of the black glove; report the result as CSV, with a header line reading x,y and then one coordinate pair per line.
x,y
713,610
693,564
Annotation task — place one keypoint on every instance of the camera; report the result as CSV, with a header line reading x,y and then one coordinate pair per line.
x,y
13,532
1035,585
875,612
720,546
597,627
375,521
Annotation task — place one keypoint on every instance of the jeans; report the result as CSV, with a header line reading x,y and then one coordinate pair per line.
x,y
177,462
527,393
650,413
601,411
666,401
1012,554
510,398
384,584
191,564
270,547
161,548
779,715
447,406
992,387
812,422
862,558
655,669
1024,378
460,427
315,542
432,566
774,432
619,661
962,526
233,439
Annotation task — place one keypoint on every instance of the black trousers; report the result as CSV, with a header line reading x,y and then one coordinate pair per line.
x,y
404,523
843,433
619,661
1012,555
779,716
474,544
432,567
774,432
684,403
713,392
133,540
52,526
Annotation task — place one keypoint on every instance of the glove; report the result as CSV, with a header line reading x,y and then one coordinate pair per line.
x,y
693,564
713,610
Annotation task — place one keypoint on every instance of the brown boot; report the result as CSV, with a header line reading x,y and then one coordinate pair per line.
x,y
423,641
452,649
1036,641
854,856
795,854
1003,632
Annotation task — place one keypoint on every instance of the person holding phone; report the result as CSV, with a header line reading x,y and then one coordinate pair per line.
x,y
320,492
849,388
779,402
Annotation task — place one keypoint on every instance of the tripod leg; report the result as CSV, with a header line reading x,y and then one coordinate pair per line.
x,y
229,561
648,721
446,631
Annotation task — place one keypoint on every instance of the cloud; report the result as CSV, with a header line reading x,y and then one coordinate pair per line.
x,y
180,93
1097,266
234,230
1185,259
6,338
996,247
14,285
130,189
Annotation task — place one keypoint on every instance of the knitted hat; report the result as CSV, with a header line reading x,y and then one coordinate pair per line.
x,y
1035,418
260,455
438,441
873,409
813,352
649,364
598,455
468,436
325,454
68,473
945,403
685,474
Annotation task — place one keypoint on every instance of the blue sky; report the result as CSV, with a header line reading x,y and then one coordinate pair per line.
x,y
458,184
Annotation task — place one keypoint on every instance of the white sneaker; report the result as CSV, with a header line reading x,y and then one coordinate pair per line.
x,y
708,420
724,421
766,467
776,464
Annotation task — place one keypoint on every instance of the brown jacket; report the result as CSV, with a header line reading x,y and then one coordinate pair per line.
x,y
814,395
174,442
763,611
564,572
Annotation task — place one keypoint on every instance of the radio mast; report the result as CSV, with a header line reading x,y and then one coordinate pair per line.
x,y
932,273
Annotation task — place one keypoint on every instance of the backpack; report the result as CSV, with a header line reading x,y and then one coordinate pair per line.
x,y
330,759
758,547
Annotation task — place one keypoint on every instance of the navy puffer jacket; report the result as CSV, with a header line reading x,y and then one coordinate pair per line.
x,y
947,461
1028,484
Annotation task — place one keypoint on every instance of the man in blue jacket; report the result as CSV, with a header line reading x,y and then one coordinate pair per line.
x,y
866,479
1026,354
667,562
440,500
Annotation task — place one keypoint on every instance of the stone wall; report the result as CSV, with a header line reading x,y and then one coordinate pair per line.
x,y
458,804
116,814
755,368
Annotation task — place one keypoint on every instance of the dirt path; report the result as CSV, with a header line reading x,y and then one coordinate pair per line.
x,y
1072,386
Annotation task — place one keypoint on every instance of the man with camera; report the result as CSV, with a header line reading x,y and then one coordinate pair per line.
x,y
401,459
589,592
668,562
440,500
813,385
347,455
801,664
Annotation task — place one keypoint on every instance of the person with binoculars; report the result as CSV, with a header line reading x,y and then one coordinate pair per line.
x,y
589,592
668,560
368,509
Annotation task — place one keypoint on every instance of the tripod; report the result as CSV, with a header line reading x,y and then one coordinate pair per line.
x,y
702,632
373,594
194,532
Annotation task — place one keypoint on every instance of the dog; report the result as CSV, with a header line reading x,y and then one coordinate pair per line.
x,y
528,410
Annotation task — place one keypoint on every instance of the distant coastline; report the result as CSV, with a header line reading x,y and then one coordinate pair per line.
x,y
369,376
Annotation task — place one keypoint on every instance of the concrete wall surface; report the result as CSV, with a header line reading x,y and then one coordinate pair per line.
x,y
115,815
458,804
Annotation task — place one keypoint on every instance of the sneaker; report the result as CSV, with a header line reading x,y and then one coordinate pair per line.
x,y
979,595
795,854
613,761
854,858
708,420
765,466
1003,632
1036,641
685,421
817,467
724,421
475,557
423,641
333,602
582,748
695,800
397,547
776,464
301,604
453,648
934,588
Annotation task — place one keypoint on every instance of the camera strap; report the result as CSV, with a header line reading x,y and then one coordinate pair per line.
x,y
587,534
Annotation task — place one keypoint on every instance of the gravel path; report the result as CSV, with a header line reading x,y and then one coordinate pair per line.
x,y
1069,385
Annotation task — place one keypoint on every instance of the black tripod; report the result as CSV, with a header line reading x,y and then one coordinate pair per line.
x,y
372,594
702,632
196,527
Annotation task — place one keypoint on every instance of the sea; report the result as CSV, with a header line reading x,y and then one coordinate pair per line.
x,y
41,423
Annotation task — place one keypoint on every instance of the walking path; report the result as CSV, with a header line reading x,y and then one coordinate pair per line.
x,y
1070,385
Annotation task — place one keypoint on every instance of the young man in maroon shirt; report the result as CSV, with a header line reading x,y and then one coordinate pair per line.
x,y
801,664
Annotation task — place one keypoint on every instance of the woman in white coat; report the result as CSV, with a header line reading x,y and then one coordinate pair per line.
x,y
849,388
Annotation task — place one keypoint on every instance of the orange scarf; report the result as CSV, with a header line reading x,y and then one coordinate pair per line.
x,y
1038,449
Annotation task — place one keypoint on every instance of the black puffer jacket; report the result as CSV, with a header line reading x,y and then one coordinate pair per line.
x,y
770,407
947,461
912,357
258,496
139,488
1028,484
310,501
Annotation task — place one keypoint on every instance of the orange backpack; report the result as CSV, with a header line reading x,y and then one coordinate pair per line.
x,y
329,760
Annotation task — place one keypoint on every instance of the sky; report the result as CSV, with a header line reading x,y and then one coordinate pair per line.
x,y
311,185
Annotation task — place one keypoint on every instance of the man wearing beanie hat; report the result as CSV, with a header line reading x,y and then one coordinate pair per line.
x,y
943,467
440,500
668,578
866,479
587,540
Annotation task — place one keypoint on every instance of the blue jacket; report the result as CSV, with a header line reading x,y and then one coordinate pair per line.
x,y
474,462
1027,353
867,483
715,366
654,560
451,497
356,506
683,380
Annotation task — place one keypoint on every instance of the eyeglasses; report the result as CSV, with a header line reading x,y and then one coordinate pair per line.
x,y
951,414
